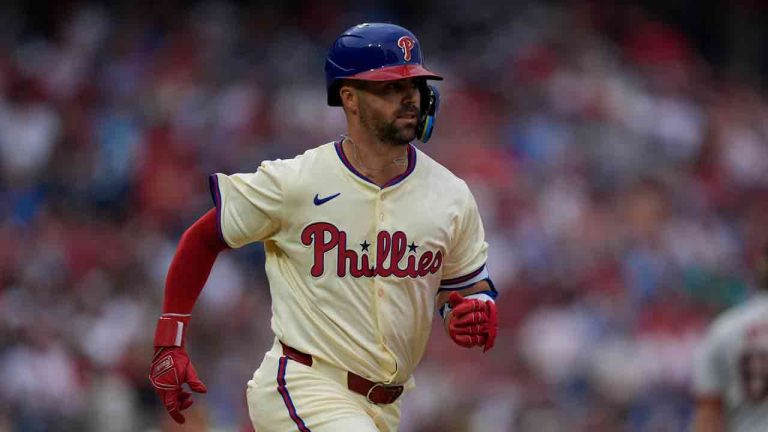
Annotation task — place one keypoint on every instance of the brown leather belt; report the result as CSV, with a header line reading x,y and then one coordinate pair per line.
x,y
376,393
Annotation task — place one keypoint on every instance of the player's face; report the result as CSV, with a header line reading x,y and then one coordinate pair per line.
x,y
390,110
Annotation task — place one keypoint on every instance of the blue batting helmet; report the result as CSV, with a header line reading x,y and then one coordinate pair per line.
x,y
373,52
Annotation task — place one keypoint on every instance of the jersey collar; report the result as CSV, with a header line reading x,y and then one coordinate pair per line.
x,y
393,181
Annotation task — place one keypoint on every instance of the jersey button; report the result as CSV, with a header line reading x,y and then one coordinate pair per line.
x,y
381,217
380,292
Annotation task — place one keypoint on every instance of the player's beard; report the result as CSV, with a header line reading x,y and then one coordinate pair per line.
x,y
387,131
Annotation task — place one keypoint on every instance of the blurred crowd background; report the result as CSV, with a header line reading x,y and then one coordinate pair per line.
x,y
619,156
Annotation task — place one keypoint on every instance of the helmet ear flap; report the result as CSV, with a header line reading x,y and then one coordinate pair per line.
x,y
430,104
334,99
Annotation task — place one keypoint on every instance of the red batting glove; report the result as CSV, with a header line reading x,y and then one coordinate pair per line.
x,y
171,367
472,322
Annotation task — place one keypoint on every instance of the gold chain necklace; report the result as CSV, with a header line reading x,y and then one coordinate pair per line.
x,y
402,160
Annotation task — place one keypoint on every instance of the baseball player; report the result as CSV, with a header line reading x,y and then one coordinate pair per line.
x,y
730,379
365,238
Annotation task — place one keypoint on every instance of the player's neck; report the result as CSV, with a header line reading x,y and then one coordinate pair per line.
x,y
380,162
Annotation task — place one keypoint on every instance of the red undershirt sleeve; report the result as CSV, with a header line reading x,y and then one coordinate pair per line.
x,y
192,263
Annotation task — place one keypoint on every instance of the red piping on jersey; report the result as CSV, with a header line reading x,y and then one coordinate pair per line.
x,y
192,263
392,182
461,279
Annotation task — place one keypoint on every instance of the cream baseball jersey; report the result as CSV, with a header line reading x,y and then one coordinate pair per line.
x,y
354,268
733,364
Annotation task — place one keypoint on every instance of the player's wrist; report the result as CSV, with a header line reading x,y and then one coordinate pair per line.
x,y
482,296
171,330
446,309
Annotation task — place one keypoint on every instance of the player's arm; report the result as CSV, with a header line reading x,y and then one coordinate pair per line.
x,y
466,296
469,314
482,287
708,383
248,209
708,416
189,270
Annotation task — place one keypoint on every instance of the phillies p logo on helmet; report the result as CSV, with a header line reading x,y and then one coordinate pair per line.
x,y
397,55
406,44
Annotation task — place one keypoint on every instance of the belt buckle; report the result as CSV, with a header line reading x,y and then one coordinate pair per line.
x,y
370,390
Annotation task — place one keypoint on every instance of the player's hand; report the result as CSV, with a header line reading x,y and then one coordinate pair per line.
x,y
472,322
171,367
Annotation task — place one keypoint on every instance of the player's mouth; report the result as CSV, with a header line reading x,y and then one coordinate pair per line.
x,y
410,114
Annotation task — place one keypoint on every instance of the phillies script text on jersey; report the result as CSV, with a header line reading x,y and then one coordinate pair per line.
x,y
390,250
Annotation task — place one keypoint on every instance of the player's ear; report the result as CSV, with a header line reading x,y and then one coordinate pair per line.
x,y
349,98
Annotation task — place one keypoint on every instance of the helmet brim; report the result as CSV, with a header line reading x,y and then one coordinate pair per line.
x,y
387,73
397,72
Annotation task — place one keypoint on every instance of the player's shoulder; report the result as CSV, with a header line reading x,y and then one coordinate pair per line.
x,y
736,318
438,174
298,163
323,151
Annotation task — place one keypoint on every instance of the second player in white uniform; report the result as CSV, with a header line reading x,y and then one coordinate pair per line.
x,y
730,380
364,237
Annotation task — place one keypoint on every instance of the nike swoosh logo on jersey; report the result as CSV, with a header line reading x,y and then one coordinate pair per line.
x,y
321,201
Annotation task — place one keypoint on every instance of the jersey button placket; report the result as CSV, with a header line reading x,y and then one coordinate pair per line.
x,y
379,208
379,227
378,285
